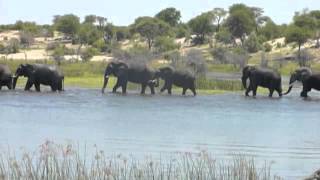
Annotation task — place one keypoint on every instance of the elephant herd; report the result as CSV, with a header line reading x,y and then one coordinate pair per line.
x,y
252,78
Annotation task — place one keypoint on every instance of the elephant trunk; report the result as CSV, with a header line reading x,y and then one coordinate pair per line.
x,y
106,79
244,82
292,80
14,81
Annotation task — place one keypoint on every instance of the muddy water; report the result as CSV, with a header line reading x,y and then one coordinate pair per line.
x,y
283,131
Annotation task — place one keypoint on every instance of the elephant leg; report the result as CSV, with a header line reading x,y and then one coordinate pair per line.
x,y
305,91
193,91
271,90
0,87
163,88
184,90
124,88
143,88
114,90
37,86
152,89
254,89
279,91
248,91
169,89
9,86
60,86
28,85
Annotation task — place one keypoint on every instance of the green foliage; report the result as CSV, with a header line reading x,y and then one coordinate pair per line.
x,y
297,35
219,14
170,15
182,30
252,43
164,43
88,34
267,47
270,30
88,53
122,33
151,28
29,27
224,36
241,21
90,19
68,24
202,26
100,45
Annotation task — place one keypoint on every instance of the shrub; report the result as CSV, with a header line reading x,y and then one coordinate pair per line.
x,y
267,47
88,53
100,45
252,44
163,44
52,46
224,36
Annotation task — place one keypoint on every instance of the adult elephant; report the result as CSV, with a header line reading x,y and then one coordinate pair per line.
x,y
135,73
308,79
184,79
37,74
262,77
5,76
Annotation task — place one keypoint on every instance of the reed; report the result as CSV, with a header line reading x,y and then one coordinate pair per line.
x,y
57,162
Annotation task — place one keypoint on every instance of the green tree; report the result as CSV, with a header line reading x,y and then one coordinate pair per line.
x,y
151,28
219,14
68,24
164,44
90,19
202,26
299,36
316,15
170,15
252,44
270,30
241,21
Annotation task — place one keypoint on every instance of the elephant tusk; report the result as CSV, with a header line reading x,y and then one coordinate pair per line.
x,y
106,76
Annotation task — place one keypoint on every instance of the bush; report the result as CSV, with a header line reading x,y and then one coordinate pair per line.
x,y
100,45
88,53
224,37
163,44
252,44
52,46
236,56
182,31
267,47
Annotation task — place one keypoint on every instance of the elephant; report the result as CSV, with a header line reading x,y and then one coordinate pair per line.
x,y
6,77
262,77
37,74
135,73
308,79
180,78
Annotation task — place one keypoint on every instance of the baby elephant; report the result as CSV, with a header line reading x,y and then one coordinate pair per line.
x,y
5,76
184,79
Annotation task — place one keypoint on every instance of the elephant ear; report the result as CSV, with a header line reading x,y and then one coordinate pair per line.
x,y
120,69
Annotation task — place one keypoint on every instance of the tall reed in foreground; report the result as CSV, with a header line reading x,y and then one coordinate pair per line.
x,y
56,162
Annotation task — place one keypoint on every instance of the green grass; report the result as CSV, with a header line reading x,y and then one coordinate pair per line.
x,y
52,161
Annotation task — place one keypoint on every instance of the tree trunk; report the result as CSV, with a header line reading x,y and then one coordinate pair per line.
x,y
149,44
299,56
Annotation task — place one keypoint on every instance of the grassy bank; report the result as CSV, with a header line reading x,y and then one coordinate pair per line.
x,y
53,161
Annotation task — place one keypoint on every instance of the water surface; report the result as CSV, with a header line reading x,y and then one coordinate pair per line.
x,y
283,131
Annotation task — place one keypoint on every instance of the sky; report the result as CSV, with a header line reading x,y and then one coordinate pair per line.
x,y
124,12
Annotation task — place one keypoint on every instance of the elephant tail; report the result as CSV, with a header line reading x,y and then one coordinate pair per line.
x,y
62,82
